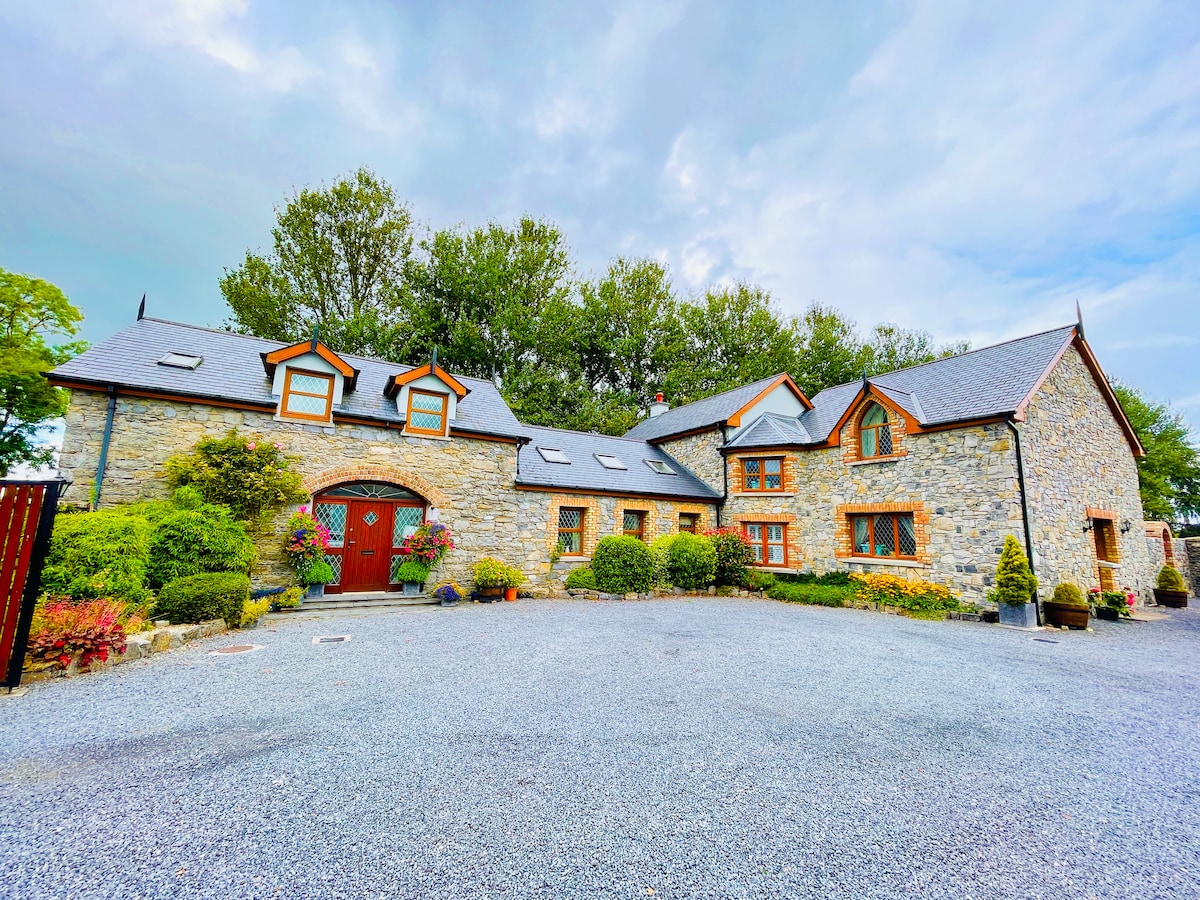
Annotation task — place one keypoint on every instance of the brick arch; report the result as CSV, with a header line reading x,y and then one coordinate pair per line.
x,y
1162,531
314,484
852,449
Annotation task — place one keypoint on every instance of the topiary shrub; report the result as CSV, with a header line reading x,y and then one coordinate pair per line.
x,y
411,571
1169,579
197,598
622,565
99,554
734,555
192,541
691,561
1015,581
581,579
1069,594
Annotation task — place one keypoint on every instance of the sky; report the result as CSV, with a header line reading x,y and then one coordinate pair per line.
x,y
969,169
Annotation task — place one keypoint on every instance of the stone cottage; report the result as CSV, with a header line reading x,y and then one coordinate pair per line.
x,y
920,472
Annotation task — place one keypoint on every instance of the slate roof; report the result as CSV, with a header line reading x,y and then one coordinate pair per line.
x,y
585,471
990,381
233,370
701,414
772,430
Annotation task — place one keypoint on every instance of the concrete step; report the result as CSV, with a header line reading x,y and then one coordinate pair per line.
x,y
361,602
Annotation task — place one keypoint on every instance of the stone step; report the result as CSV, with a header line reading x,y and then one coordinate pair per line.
x,y
362,602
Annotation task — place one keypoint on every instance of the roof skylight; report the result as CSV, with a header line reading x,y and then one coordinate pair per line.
x,y
551,455
660,467
181,360
610,462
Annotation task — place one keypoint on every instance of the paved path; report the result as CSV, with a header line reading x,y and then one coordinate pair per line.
x,y
674,748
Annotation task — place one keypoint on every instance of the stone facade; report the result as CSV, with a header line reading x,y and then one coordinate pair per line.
x,y
702,454
1191,571
1080,471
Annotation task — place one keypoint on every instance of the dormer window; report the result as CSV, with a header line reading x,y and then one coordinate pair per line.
x,y
307,395
875,433
426,412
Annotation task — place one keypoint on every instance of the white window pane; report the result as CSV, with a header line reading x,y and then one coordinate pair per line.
x,y
428,402
775,554
309,384
775,534
428,421
754,532
311,406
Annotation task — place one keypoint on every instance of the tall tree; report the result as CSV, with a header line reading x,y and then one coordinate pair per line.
x,y
1169,473
829,350
34,315
892,347
340,261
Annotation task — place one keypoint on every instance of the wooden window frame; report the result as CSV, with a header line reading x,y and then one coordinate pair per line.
x,y
640,533
762,475
870,517
695,522
285,413
581,530
414,429
863,429
766,544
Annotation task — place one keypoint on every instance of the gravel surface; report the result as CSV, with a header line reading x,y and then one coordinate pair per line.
x,y
672,748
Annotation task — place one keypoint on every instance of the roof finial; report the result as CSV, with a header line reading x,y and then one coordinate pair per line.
x,y
433,364
142,308
866,382
316,326
1078,319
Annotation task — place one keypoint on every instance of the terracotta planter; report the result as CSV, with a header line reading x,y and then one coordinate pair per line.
x,y
1059,614
510,594
1171,599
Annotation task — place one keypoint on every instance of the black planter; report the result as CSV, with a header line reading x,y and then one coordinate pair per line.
x,y
1107,613
1170,599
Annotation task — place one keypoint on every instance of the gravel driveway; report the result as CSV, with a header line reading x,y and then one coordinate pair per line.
x,y
675,748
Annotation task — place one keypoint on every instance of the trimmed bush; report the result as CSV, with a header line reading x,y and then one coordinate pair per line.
x,y
412,571
197,598
660,556
581,579
734,555
1169,579
622,565
1069,593
99,554
691,561
192,541
811,593
1015,581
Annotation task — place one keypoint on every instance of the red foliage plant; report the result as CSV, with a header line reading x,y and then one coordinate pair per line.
x,y
93,628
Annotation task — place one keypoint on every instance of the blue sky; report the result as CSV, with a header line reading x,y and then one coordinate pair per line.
x,y
970,169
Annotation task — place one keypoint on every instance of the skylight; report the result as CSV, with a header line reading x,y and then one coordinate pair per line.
x,y
181,360
660,467
610,462
554,456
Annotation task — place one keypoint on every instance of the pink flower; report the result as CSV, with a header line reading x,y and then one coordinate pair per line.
x,y
251,445
277,446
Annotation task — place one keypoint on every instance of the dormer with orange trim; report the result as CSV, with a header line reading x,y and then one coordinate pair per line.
x,y
781,397
874,427
309,379
427,397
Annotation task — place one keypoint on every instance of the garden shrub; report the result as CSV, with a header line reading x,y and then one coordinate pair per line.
x,y
691,561
829,578
660,557
1015,581
99,554
289,599
581,579
734,555
249,475
513,577
1169,579
202,539
913,596
197,598
622,565
490,572
412,571
760,581
316,572
1070,594
253,611
812,593
60,628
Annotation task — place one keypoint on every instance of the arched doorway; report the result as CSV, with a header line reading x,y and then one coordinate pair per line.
x,y
367,522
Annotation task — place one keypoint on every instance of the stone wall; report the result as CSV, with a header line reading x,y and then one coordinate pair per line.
x,y
960,485
1077,458
1189,562
701,453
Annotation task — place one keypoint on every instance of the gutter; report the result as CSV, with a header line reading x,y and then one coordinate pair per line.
x,y
104,443
521,443
1012,426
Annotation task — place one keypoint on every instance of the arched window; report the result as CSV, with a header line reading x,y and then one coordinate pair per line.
x,y
875,434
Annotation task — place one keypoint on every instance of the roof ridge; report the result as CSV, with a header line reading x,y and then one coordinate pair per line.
x,y
740,387
608,437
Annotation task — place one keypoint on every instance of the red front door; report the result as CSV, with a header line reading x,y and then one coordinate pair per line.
x,y
368,554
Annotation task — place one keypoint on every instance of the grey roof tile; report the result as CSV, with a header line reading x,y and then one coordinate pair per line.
x,y
701,414
585,471
233,370
771,430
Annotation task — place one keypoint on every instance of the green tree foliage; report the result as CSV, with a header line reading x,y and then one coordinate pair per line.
x,y
249,475
35,317
339,261
1015,581
1169,473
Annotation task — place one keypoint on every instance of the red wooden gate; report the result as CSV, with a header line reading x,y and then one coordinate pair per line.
x,y
26,520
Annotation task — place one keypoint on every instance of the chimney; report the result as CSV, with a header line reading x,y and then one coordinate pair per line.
x,y
659,406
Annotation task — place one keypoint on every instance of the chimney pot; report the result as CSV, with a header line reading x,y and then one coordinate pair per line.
x,y
659,406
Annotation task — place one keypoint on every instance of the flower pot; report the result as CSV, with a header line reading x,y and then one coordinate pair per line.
x,y
449,601
314,591
510,594
1018,615
490,594
1107,613
1170,599
1068,614
411,588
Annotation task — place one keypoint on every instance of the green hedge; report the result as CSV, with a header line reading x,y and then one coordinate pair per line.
x,y
192,541
812,593
198,598
691,561
99,554
581,579
622,565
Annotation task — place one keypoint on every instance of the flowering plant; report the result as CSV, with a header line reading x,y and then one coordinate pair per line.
x,y
734,554
449,592
429,543
307,540
93,628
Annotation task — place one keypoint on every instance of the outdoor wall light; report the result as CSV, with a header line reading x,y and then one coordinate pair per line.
x,y
1087,525
1126,526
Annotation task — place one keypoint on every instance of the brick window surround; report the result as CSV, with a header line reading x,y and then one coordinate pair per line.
x,y
633,523
1108,549
791,535
847,512
852,433
762,474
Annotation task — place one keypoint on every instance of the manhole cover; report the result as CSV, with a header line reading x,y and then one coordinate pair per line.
x,y
331,639
236,648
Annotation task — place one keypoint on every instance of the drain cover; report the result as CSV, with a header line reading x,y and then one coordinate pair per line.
x,y
236,648
1047,641
332,639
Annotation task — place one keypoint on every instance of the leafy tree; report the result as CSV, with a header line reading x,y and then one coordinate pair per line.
x,y
829,350
1169,473
33,314
340,262
892,347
